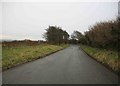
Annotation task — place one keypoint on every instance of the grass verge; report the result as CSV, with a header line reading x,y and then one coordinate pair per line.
x,y
15,55
106,57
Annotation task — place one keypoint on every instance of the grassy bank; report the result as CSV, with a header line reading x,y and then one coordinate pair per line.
x,y
107,57
14,55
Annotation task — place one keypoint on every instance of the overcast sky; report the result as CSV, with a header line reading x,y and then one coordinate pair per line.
x,y
28,20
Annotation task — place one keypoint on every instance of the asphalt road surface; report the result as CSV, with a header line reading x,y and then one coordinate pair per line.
x,y
68,66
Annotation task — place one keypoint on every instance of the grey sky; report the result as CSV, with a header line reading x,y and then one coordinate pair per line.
x,y
22,20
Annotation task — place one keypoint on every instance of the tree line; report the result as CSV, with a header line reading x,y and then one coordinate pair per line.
x,y
102,34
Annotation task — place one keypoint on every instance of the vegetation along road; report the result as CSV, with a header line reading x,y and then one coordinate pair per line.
x,y
68,66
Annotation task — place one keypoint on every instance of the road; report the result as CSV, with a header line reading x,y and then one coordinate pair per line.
x,y
68,66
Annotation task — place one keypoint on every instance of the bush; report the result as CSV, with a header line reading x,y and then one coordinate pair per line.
x,y
103,35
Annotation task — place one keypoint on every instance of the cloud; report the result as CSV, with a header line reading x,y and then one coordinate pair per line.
x,y
23,20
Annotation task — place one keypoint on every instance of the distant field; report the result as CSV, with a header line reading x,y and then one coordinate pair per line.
x,y
107,57
14,54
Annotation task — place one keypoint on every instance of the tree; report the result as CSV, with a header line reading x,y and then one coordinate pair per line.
x,y
76,36
65,37
56,35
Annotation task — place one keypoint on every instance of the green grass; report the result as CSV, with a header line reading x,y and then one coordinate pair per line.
x,y
107,57
14,55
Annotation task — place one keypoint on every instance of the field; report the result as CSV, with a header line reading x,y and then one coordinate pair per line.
x,y
17,53
107,57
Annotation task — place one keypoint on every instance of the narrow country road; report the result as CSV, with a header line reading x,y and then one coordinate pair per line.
x,y
68,66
